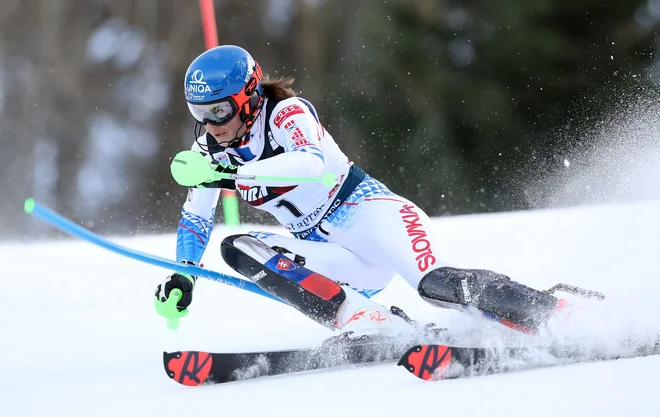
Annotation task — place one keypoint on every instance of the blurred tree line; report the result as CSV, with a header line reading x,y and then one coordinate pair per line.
x,y
460,105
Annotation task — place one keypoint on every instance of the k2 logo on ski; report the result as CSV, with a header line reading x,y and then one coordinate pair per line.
x,y
419,242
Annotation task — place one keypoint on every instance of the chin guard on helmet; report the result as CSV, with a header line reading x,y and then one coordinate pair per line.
x,y
250,100
252,105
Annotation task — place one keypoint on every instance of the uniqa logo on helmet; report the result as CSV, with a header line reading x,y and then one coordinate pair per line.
x,y
196,84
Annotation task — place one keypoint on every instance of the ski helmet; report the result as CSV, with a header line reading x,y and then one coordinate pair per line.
x,y
222,82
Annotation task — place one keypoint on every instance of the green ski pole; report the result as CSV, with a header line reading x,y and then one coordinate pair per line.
x,y
190,168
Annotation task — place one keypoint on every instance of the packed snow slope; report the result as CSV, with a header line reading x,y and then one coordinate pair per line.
x,y
81,337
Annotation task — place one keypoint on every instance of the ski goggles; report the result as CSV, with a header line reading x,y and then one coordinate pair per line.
x,y
217,113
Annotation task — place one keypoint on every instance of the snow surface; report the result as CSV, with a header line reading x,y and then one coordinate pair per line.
x,y
81,336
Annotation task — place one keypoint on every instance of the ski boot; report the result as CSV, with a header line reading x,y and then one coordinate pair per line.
x,y
497,297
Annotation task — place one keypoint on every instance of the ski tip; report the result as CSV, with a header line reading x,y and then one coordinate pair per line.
x,y
166,362
188,368
426,362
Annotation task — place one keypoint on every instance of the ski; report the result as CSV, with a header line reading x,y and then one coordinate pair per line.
x,y
435,362
425,361
196,368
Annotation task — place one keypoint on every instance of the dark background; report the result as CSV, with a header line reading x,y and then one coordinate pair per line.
x,y
461,106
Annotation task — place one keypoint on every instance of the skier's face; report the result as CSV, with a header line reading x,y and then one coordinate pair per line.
x,y
226,133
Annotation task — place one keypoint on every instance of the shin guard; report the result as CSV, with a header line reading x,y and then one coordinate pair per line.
x,y
313,294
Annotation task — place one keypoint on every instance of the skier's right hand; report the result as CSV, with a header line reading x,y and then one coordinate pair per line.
x,y
183,282
225,183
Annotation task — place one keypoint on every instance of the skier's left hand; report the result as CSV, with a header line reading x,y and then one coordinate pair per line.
x,y
183,282
179,285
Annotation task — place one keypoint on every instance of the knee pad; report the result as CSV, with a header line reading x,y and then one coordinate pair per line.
x,y
245,254
313,294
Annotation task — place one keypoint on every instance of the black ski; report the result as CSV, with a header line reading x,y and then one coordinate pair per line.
x,y
425,361
196,368
435,362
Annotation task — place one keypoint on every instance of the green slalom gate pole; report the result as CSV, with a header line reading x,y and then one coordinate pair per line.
x,y
230,208
210,29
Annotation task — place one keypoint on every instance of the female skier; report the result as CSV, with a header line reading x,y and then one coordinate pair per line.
x,y
348,241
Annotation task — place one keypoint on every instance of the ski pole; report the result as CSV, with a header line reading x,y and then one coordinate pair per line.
x,y
572,289
190,168
67,226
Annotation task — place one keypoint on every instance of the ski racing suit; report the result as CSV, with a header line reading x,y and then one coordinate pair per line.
x,y
358,232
